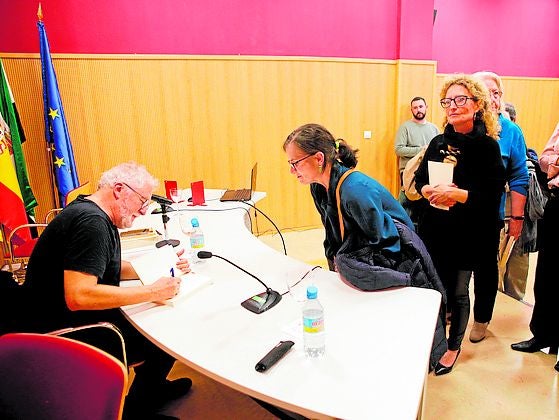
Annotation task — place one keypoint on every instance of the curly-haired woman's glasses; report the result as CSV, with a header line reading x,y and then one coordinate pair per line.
x,y
459,100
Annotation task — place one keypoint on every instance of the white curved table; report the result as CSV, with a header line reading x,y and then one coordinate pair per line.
x,y
377,343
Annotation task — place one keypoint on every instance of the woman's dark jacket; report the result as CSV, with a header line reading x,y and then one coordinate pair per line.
x,y
467,229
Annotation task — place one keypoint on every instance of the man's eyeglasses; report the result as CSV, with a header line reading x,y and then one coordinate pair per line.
x,y
145,201
496,93
459,101
294,163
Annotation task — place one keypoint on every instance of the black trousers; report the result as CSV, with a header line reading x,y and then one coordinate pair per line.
x,y
486,279
455,272
456,283
545,316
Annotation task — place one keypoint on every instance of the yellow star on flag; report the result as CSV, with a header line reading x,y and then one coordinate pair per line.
x,y
53,113
59,162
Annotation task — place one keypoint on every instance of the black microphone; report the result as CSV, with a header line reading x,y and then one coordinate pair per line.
x,y
160,199
164,202
257,303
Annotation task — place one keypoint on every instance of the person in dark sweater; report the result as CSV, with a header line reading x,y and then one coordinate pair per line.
x,y
461,226
544,324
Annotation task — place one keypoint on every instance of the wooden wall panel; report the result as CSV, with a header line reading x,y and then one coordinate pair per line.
x,y
211,117
412,78
537,107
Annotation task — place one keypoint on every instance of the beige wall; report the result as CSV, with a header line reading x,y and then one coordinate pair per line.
x,y
211,117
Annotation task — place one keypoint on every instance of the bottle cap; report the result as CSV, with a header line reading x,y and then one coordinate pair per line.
x,y
312,292
194,222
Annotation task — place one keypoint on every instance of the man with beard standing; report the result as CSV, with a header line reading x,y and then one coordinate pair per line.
x,y
412,136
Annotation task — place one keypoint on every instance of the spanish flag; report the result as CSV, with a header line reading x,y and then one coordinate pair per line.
x,y
8,110
16,198
12,210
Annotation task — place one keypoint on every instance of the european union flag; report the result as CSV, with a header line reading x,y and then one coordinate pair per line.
x,y
56,129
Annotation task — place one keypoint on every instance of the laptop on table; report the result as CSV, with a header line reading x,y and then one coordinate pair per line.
x,y
244,194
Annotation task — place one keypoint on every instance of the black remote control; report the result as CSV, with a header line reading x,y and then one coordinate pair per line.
x,y
274,355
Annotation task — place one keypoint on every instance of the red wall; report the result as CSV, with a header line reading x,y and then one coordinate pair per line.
x,y
511,37
353,28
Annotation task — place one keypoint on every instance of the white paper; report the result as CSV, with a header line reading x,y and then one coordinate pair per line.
x,y
294,328
190,283
155,264
440,173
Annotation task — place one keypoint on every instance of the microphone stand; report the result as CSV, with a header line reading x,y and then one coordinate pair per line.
x,y
258,303
166,241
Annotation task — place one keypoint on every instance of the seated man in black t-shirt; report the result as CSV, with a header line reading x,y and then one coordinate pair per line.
x,y
74,274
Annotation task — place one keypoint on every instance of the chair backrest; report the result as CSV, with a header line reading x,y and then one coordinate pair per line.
x,y
17,256
84,188
71,195
52,377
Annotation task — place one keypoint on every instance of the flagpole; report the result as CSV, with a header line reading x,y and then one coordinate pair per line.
x,y
55,196
57,133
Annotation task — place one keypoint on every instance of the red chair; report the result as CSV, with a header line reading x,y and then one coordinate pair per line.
x,y
17,251
17,255
52,377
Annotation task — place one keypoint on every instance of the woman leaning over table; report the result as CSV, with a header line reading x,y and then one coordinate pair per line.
x,y
465,236
316,158
378,247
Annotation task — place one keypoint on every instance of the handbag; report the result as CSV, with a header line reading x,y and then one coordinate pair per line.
x,y
408,176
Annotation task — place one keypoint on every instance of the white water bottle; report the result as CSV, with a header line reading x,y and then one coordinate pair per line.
x,y
313,324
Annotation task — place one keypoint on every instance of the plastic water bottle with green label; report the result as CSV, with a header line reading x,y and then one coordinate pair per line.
x,y
196,239
313,325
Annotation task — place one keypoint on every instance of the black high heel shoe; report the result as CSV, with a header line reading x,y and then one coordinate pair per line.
x,y
441,369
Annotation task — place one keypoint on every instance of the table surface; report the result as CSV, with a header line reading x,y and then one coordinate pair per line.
x,y
377,343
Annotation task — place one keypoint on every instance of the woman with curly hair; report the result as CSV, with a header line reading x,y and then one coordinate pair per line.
x,y
461,227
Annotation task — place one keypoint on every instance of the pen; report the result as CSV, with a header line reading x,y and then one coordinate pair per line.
x,y
172,272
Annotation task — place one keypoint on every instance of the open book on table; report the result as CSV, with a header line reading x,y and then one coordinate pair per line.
x,y
161,262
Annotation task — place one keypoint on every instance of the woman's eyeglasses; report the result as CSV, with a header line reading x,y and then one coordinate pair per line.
x,y
294,163
459,101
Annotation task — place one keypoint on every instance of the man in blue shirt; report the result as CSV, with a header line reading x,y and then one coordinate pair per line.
x,y
513,152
